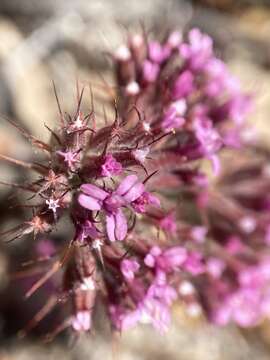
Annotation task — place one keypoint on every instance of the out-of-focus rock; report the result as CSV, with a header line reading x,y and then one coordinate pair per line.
x,y
10,37
256,81
26,351
256,22
186,340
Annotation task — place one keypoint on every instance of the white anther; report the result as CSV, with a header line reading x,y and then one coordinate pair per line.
x,y
122,53
186,288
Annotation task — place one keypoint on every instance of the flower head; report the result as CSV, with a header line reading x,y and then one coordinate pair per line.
x,y
189,237
110,166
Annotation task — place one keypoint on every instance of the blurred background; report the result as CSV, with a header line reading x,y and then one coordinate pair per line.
x,y
67,41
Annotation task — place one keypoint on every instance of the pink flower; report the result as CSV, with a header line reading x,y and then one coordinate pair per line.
x,y
171,120
198,234
111,167
198,50
150,71
208,137
140,154
234,245
221,315
149,311
45,248
122,319
168,223
156,313
82,321
86,230
129,192
157,52
210,141
161,291
184,85
145,199
245,307
175,39
238,107
215,267
152,309
168,260
71,158
129,267
194,264
92,197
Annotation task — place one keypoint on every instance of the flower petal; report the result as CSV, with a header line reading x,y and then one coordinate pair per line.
x,y
94,191
127,184
110,226
134,193
116,225
121,225
130,188
89,202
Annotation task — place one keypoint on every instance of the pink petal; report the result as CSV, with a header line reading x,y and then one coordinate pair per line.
x,y
129,267
94,191
126,184
82,321
130,319
116,226
110,226
215,164
149,260
89,202
130,188
121,225
175,256
134,193
153,200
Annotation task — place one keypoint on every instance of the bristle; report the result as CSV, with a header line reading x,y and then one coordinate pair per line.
x,y
32,166
50,336
29,187
149,176
61,117
42,313
35,142
79,102
55,267
53,134
12,230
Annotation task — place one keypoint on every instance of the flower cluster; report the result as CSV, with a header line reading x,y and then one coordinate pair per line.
x,y
239,289
149,227
188,90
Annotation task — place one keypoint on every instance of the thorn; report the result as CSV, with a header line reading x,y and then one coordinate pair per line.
x,y
33,166
19,186
79,102
11,230
108,88
54,134
155,140
149,176
36,142
56,266
14,238
50,336
46,308
58,105
116,113
92,99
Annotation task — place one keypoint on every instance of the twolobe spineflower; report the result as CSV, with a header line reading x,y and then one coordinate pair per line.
x,y
149,226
